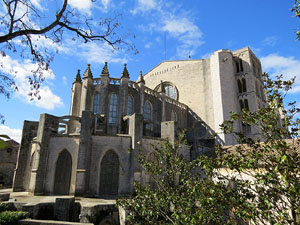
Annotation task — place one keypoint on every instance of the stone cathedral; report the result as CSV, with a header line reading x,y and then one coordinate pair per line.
x,y
92,151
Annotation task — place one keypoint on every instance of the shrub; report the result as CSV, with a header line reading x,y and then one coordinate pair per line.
x,y
11,217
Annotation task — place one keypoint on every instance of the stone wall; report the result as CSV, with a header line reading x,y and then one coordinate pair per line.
x,y
8,161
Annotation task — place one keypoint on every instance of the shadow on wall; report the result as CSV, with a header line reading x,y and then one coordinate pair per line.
x,y
8,160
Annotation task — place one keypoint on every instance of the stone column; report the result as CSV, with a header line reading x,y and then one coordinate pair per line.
x,y
84,151
48,125
22,171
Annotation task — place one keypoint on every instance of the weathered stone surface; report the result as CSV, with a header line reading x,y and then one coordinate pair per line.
x,y
63,209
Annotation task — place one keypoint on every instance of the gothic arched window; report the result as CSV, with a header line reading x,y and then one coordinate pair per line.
x,y
96,104
246,104
147,114
242,105
244,85
113,109
239,86
130,105
241,65
237,66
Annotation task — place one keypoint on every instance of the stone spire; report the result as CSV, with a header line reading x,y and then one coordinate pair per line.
x,y
141,78
88,73
105,70
77,78
125,73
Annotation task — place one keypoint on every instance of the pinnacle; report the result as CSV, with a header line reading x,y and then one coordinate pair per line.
x,y
105,69
78,77
141,77
125,73
88,73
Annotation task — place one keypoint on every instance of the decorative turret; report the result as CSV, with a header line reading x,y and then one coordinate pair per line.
x,y
125,73
75,101
141,84
86,90
105,70
141,78
88,73
105,75
77,78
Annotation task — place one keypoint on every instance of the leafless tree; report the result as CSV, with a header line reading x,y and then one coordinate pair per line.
x,y
23,24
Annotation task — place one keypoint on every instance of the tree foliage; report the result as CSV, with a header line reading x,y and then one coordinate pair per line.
x,y
296,10
255,181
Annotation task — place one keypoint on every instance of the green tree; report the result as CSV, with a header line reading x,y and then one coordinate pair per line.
x,y
257,180
296,9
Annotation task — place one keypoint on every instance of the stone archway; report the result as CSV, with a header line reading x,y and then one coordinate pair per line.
x,y
63,172
109,175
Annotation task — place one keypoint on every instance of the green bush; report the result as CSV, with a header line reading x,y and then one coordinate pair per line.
x,y
5,207
11,217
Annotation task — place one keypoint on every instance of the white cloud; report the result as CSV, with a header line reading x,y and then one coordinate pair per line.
x,y
270,41
186,32
82,5
14,134
174,22
94,52
64,80
275,64
20,72
105,3
148,45
37,4
144,6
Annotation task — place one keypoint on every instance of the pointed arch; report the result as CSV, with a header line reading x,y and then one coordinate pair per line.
x,y
109,174
63,172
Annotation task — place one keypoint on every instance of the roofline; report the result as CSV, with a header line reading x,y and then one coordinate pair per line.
x,y
180,60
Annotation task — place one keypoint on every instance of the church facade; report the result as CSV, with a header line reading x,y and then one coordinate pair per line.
x,y
92,152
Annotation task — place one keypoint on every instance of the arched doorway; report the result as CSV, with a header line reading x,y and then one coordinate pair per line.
x,y
63,171
109,175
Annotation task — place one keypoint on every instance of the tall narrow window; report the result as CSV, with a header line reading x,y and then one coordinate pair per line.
x,y
240,86
242,104
246,104
147,114
244,85
113,107
241,65
96,103
130,105
237,66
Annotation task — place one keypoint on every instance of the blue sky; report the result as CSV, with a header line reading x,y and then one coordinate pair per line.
x,y
163,30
